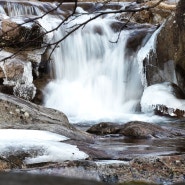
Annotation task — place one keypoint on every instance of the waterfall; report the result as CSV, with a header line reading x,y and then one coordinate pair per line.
x,y
95,79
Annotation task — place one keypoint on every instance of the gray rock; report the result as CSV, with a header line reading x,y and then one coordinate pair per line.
x,y
14,114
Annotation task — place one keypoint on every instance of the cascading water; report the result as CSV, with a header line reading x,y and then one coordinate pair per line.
x,y
95,78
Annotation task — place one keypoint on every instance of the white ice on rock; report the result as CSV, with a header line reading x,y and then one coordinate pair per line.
x,y
43,146
160,94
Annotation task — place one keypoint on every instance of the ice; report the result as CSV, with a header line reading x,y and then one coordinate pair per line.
x,y
160,94
42,146
144,53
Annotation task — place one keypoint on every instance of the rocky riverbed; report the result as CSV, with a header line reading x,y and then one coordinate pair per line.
x,y
122,153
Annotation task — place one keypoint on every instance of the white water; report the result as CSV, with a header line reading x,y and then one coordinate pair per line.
x,y
95,80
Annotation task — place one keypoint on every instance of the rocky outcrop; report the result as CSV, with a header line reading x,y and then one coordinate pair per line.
x,y
20,59
155,15
17,113
169,53
19,32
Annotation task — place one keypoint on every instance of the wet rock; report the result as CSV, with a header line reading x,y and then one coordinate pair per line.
x,y
137,129
134,129
31,179
39,97
104,128
6,89
138,38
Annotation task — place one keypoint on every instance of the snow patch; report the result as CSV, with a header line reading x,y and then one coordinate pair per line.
x,y
107,162
42,146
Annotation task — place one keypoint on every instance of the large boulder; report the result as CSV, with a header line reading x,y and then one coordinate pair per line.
x,y
17,113
21,32
167,61
17,74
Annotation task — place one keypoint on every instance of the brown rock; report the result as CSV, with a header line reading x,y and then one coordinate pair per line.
x,y
17,35
12,70
4,164
135,129
104,128
155,15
